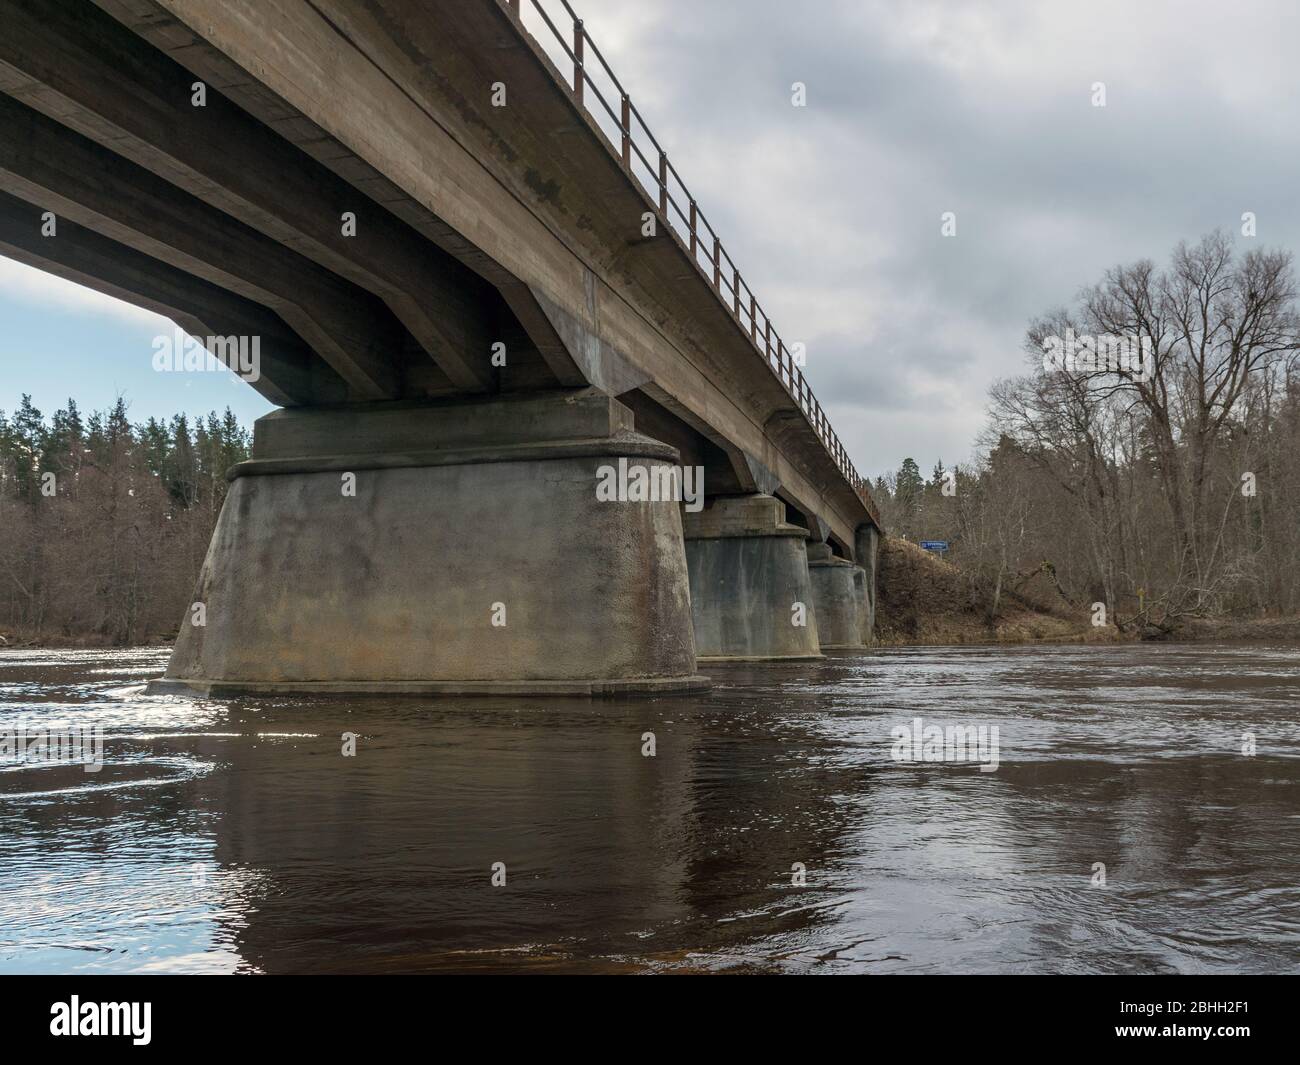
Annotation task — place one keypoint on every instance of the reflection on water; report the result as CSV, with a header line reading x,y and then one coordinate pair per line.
x,y
234,836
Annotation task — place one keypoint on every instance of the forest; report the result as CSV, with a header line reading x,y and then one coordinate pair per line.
x,y
1165,491
104,523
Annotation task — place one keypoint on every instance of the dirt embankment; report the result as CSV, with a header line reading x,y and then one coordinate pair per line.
x,y
1228,630
925,600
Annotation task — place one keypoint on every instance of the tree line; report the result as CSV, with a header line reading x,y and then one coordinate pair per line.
x,y
104,523
1165,486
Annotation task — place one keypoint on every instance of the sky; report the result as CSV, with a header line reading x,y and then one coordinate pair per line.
x,y
61,341
833,211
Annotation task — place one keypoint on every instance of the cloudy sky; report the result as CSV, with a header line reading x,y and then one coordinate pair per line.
x,y
833,211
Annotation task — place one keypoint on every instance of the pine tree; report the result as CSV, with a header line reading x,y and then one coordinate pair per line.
x,y
28,442
909,484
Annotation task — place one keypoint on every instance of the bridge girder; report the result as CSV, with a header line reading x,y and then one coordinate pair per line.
x,y
92,74
290,373
365,104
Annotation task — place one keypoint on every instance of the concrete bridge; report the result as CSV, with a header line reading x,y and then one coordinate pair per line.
x,y
500,331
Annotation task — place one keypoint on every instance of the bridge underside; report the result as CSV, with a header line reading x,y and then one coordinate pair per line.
x,y
457,312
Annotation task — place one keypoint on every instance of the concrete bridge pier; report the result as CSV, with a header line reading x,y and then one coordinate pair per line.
x,y
443,547
836,597
751,597
862,602
866,547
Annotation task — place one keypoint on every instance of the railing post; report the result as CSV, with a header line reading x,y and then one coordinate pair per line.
x,y
717,263
753,317
627,132
767,343
735,291
694,240
578,38
663,185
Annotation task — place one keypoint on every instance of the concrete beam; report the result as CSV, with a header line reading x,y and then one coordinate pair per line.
x,y
156,23
579,350
818,529
290,373
82,67
743,473
45,164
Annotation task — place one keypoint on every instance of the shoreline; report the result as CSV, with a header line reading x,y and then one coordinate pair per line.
x,y
925,601
1020,627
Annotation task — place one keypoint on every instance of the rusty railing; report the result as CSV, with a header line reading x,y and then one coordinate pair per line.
x,y
646,162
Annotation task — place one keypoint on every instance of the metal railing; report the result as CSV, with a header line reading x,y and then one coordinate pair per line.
x,y
663,184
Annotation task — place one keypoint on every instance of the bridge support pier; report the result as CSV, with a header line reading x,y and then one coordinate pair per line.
x,y
836,597
862,604
867,548
447,547
751,597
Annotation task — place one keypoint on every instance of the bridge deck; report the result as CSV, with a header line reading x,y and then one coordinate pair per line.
x,y
475,224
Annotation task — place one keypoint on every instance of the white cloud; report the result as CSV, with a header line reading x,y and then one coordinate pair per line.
x,y
916,107
28,283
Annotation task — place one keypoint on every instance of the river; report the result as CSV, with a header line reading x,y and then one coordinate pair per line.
x,y
773,828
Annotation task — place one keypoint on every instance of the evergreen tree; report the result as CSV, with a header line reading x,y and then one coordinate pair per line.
x,y
114,552
28,442
908,484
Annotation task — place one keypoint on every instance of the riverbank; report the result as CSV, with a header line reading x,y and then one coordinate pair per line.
x,y
78,641
1234,630
925,601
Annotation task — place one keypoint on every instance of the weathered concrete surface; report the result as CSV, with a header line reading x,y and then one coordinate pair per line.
x,y
749,581
863,605
454,522
867,553
835,598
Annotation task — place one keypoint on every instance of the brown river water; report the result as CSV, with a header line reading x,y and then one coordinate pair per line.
x,y
235,836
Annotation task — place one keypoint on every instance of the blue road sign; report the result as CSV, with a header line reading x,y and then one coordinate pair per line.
x,y
934,545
